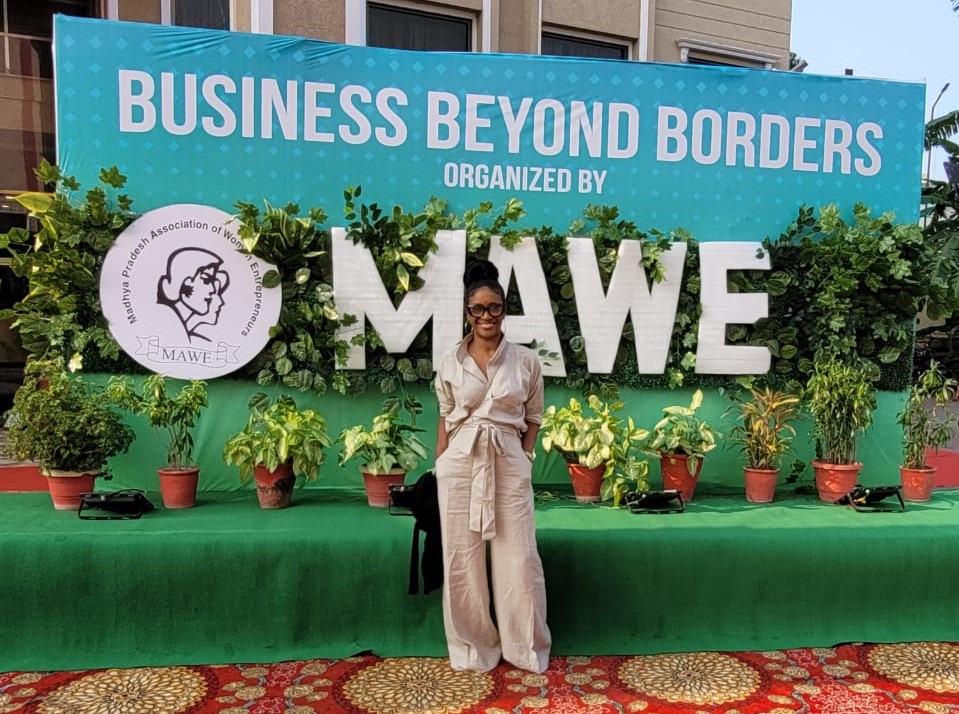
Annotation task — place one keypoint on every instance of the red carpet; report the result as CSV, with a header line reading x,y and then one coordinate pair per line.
x,y
863,679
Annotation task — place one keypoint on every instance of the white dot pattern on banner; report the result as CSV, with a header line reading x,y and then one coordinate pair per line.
x,y
713,201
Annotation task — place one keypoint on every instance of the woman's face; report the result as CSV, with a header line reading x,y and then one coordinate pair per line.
x,y
485,325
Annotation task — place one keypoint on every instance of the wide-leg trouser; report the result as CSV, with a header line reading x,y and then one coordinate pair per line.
x,y
518,585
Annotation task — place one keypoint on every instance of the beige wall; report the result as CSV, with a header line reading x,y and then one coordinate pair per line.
x,y
757,25
321,19
518,25
241,19
139,10
616,18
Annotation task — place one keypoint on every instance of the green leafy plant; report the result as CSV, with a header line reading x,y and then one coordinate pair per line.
x,y
581,436
304,341
400,242
841,400
598,436
63,423
176,414
680,431
388,443
60,316
764,429
925,422
840,287
276,433
848,290
629,472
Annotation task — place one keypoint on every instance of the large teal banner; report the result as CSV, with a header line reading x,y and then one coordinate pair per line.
x,y
209,117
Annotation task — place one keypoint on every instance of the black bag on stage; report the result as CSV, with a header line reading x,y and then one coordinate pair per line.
x,y
421,501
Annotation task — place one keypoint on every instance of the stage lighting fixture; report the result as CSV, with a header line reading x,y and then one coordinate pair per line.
x,y
873,499
668,501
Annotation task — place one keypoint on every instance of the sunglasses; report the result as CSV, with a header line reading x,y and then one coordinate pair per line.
x,y
495,309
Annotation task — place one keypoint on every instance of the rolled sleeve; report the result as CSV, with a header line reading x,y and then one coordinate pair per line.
x,y
444,395
535,402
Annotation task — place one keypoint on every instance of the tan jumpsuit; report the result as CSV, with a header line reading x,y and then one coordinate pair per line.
x,y
485,494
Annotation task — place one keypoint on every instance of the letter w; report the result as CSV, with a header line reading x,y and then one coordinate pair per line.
x,y
602,316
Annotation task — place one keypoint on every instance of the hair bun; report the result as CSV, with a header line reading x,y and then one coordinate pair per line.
x,y
479,271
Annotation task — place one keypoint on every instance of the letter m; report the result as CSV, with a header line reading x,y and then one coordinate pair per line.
x,y
359,291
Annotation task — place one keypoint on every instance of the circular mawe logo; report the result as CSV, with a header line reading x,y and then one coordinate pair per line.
x,y
181,299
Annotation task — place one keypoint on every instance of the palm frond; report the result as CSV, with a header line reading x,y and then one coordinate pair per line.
x,y
938,130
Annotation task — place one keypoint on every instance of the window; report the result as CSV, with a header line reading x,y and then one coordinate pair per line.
x,y
211,14
711,53
26,31
568,46
407,29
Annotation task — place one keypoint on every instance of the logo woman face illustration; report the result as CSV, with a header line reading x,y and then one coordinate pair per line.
x,y
193,288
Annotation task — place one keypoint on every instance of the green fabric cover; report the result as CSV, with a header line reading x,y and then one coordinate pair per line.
x,y
228,582
880,448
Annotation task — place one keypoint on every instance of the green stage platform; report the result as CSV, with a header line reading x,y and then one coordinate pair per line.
x,y
227,582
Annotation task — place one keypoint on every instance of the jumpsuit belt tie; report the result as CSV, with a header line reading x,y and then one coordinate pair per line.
x,y
485,443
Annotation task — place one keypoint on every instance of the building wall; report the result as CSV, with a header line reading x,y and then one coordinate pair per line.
x,y
139,10
759,25
516,29
322,19
616,19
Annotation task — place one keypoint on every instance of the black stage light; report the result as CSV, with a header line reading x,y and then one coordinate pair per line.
x,y
668,501
873,499
116,505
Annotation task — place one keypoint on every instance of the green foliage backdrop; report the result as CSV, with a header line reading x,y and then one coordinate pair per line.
x,y
844,288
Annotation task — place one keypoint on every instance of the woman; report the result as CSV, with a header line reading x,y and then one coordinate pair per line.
x,y
490,394
193,288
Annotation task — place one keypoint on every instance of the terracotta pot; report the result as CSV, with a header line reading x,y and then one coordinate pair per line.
x,y
378,486
760,484
833,481
587,482
178,486
676,474
917,483
66,486
274,488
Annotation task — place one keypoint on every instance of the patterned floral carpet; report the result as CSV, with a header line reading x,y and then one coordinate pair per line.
x,y
850,679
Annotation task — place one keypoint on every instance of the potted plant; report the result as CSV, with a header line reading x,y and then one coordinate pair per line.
x,y
926,424
682,440
387,450
629,473
177,415
841,400
586,440
764,433
67,428
278,442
